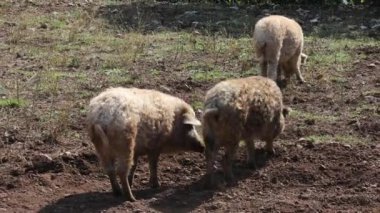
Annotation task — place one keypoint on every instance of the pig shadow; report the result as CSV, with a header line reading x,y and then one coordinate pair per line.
x,y
84,202
189,197
183,198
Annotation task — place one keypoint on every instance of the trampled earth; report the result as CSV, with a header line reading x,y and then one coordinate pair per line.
x,y
56,55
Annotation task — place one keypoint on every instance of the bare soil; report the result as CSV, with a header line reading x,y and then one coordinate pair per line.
x,y
303,176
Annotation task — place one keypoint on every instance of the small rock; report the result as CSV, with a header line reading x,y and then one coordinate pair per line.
x,y
216,205
310,121
17,172
302,12
194,24
372,65
322,167
295,158
155,22
19,55
191,12
315,20
363,27
165,88
229,197
274,180
375,26
347,146
3,195
43,163
43,26
10,24
42,159
304,196
371,99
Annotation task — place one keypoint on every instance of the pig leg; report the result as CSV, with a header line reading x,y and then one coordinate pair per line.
x,y
263,67
303,58
211,151
108,162
269,146
123,170
133,169
272,54
125,162
153,161
250,143
295,65
227,162
288,72
110,169
279,72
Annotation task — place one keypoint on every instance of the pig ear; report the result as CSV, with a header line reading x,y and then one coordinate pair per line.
x,y
191,119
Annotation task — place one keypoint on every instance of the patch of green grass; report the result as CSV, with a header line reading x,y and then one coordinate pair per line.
x,y
311,116
49,82
200,75
12,103
339,57
155,72
197,105
349,139
118,76
337,54
340,80
364,109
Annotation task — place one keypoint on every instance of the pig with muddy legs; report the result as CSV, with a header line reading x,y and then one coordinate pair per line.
x,y
124,124
279,43
241,109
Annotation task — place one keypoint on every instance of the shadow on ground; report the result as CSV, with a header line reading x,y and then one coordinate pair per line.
x,y
84,202
234,21
185,197
189,197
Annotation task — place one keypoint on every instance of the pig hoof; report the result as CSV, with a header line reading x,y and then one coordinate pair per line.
x,y
154,185
281,83
117,192
209,183
130,180
252,165
131,199
211,186
231,182
271,152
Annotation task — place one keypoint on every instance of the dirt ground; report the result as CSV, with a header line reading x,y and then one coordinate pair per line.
x,y
39,173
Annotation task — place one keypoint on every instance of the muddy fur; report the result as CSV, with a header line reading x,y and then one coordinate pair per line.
x,y
279,43
241,109
126,123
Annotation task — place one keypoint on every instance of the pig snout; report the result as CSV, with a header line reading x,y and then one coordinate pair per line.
x,y
196,142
